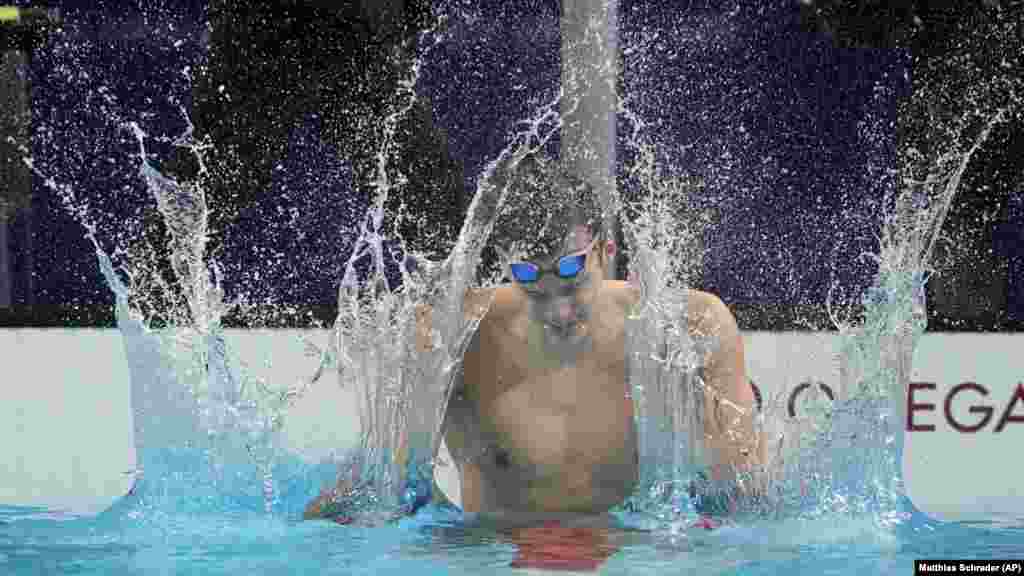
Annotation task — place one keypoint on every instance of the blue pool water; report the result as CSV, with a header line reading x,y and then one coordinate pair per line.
x,y
436,541
183,520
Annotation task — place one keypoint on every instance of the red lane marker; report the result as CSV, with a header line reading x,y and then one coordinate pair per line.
x,y
552,546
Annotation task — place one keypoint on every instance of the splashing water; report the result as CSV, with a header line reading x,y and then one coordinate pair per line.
x,y
402,393
206,424
853,456
232,419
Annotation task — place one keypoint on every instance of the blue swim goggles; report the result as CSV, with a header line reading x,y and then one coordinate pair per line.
x,y
568,266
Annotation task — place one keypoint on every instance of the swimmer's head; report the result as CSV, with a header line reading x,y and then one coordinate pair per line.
x,y
547,211
550,234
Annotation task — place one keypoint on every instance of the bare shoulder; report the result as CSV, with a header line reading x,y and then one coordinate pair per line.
x,y
622,293
706,310
703,308
493,305
497,302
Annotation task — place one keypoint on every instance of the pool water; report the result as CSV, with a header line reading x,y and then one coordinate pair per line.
x,y
130,540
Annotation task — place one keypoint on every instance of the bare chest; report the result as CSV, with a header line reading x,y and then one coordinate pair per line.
x,y
550,413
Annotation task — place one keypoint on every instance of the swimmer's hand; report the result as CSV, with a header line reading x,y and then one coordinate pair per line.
x,y
722,498
345,503
336,504
327,506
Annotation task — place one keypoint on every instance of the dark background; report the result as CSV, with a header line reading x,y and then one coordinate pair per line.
x,y
766,104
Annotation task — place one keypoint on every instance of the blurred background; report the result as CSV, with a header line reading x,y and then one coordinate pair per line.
x,y
788,112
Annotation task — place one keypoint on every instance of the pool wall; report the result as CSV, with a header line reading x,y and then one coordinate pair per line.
x,y
69,441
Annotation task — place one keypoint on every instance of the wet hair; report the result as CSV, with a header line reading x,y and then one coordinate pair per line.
x,y
543,204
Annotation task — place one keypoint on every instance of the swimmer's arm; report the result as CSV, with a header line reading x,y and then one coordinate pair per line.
x,y
323,506
461,427
456,425
729,399
475,304
462,437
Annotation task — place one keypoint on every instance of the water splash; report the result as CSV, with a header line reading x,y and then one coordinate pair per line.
x,y
373,343
657,202
850,463
206,430
664,353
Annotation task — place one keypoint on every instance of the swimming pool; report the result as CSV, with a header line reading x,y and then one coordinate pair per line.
x,y
188,515
192,513
436,541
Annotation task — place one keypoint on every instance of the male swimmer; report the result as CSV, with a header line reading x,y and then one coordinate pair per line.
x,y
540,424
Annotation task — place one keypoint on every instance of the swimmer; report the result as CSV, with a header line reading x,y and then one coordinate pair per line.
x,y
540,424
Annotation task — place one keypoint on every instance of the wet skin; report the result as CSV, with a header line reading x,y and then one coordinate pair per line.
x,y
541,424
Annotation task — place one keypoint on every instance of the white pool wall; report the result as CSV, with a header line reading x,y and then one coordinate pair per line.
x,y
67,440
